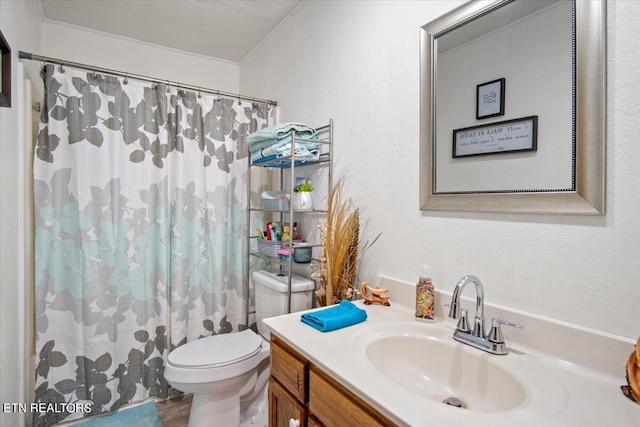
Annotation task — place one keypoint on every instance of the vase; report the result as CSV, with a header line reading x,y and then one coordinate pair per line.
x,y
302,201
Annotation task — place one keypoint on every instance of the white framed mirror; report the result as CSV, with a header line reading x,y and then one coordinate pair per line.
x,y
513,114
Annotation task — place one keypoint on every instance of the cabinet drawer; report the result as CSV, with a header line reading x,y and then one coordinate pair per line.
x,y
333,405
283,407
289,368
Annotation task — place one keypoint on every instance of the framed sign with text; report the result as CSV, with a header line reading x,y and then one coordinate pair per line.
x,y
500,137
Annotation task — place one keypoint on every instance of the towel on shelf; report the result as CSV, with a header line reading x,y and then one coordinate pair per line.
x,y
335,317
300,153
282,142
278,131
277,161
275,144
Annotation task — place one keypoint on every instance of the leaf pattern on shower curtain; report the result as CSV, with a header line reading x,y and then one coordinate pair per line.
x,y
140,216
179,112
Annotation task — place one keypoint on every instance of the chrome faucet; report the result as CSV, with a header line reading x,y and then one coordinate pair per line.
x,y
476,337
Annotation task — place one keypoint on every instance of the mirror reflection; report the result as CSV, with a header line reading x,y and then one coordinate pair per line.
x,y
526,46
512,107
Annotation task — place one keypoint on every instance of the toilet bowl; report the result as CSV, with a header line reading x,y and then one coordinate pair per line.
x,y
226,372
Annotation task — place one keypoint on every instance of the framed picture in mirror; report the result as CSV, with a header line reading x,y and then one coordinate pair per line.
x,y
5,73
490,99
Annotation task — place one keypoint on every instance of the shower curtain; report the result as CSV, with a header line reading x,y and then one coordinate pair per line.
x,y
140,205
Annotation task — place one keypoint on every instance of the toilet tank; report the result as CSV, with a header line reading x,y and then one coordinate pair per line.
x,y
271,291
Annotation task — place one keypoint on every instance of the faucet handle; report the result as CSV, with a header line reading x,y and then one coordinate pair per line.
x,y
463,322
495,334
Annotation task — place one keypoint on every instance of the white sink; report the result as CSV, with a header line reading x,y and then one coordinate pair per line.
x,y
439,370
424,360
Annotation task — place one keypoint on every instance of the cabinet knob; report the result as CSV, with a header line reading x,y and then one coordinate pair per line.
x,y
294,423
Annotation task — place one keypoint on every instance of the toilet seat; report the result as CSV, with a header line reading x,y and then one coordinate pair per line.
x,y
217,350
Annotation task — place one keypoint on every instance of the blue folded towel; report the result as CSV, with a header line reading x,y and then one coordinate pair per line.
x,y
278,131
272,133
276,161
281,146
336,317
278,145
300,153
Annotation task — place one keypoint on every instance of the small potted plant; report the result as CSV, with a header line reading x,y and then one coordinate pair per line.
x,y
302,200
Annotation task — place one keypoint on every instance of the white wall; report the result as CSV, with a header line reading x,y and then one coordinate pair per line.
x,y
119,53
358,62
20,25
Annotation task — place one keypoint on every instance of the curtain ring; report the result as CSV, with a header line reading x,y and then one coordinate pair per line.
x,y
239,100
94,75
199,93
126,79
61,68
168,86
154,85
218,98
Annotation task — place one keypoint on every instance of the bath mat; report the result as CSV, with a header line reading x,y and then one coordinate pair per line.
x,y
142,415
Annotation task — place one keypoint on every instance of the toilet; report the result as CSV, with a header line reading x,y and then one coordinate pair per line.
x,y
227,372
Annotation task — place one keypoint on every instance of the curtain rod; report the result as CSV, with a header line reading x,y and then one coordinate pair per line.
x,y
32,57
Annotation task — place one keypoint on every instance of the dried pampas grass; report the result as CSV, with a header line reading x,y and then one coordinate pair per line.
x,y
340,248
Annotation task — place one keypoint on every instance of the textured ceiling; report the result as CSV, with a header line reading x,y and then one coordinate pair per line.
x,y
221,29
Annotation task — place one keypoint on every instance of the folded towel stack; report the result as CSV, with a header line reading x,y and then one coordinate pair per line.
x,y
336,317
276,142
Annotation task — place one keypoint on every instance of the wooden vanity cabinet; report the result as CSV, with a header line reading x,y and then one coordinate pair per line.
x,y
288,386
283,407
301,392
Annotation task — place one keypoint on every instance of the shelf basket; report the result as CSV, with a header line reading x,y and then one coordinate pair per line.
x,y
270,248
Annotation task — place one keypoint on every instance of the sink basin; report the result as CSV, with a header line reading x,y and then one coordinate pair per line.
x,y
423,362
440,370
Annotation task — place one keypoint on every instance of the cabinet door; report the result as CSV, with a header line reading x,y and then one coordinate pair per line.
x,y
284,409
289,368
334,406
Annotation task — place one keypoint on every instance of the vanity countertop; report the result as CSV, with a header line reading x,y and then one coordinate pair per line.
x,y
591,397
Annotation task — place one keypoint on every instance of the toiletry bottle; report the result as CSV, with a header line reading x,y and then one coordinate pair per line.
x,y
425,299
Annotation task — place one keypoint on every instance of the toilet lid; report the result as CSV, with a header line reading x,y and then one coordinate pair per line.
x,y
216,350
